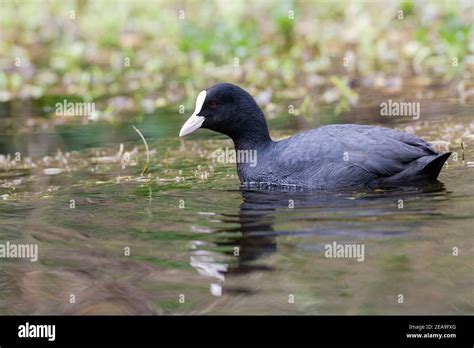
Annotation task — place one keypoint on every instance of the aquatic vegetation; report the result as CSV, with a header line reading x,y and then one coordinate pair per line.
x,y
256,44
145,168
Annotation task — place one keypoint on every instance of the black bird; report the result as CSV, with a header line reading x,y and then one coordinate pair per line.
x,y
334,156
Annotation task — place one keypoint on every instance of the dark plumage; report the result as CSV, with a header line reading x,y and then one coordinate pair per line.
x,y
334,156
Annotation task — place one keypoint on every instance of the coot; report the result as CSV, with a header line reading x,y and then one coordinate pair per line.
x,y
334,156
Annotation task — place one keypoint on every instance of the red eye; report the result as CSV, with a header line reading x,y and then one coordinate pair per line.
x,y
213,104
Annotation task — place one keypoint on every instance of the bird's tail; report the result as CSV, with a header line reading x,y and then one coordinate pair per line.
x,y
432,169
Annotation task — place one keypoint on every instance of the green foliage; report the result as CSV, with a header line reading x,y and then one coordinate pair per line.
x,y
277,44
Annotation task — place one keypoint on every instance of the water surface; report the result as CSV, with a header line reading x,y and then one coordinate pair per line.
x,y
185,239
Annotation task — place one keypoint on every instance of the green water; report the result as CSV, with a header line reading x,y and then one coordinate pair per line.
x,y
184,239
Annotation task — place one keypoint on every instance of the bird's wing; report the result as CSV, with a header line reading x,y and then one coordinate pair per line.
x,y
376,150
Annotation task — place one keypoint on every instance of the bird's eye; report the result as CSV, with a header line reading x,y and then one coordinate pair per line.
x,y
213,104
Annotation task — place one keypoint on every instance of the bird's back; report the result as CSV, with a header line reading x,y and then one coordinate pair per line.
x,y
346,155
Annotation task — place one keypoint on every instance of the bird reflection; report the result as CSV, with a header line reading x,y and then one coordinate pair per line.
x,y
255,237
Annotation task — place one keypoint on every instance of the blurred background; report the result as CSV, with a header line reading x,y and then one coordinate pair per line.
x,y
133,57
74,184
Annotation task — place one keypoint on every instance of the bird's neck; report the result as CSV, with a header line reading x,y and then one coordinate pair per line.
x,y
252,151
256,135
254,142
